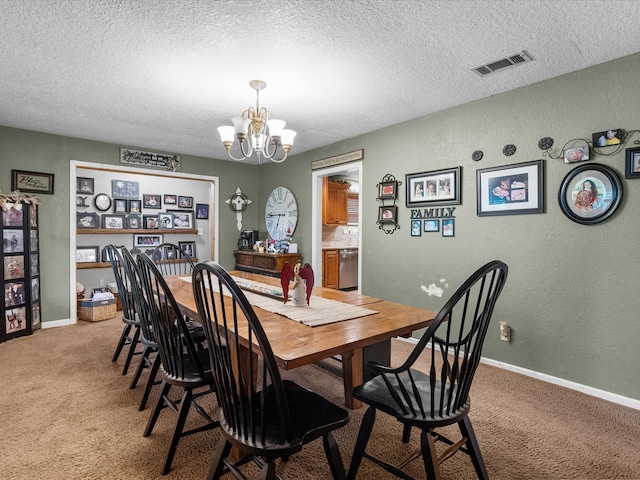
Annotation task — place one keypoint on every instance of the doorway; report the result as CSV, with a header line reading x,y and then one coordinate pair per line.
x,y
350,170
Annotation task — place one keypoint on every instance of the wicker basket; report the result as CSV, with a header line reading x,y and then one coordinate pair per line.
x,y
97,311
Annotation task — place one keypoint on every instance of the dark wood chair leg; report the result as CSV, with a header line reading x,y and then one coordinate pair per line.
x,y
406,433
366,427
429,455
334,458
132,350
183,411
146,351
157,409
151,381
121,343
217,463
474,448
268,471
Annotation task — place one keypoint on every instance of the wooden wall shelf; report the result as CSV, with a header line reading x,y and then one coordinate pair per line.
x,y
121,231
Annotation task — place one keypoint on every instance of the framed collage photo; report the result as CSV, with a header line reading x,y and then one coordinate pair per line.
x,y
510,190
147,240
438,187
590,193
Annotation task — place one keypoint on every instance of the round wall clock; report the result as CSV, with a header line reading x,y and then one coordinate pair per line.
x,y
281,213
102,202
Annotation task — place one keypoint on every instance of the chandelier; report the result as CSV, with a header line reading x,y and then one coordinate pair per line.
x,y
257,132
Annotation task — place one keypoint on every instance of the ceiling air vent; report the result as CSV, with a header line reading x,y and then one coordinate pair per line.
x,y
510,61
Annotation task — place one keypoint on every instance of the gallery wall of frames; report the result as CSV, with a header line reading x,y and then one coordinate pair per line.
x,y
21,270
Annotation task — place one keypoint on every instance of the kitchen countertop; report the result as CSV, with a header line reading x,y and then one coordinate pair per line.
x,y
343,247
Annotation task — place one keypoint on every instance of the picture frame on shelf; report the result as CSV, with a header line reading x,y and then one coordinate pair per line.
x,y
151,201
590,194
119,206
113,221
170,199
150,222
125,189
607,137
182,218
416,228
448,227
134,206
189,248
437,187
85,185
388,190
87,254
185,202
432,225
147,240
165,220
87,220
632,163
514,189
388,214
202,211
133,221
32,182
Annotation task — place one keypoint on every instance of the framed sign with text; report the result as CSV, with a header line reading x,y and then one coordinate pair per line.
x,y
32,182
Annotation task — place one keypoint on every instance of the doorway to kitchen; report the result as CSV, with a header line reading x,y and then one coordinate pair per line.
x,y
346,238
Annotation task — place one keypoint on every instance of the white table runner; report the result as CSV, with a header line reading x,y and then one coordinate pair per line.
x,y
320,311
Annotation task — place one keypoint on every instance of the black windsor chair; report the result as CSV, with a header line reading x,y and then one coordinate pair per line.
x,y
172,260
441,397
129,318
264,417
182,365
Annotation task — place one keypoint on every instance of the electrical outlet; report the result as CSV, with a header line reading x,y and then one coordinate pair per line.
x,y
505,332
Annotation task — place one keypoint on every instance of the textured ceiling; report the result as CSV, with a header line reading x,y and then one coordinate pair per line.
x,y
164,74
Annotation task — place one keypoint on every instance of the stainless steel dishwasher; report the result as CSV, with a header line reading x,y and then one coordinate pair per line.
x,y
348,265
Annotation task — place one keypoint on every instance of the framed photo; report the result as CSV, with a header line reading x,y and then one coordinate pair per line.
x,y
150,222
510,190
13,241
416,228
576,154
125,189
439,187
14,293
189,248
608,137
134,221
113,222
32,182
84,185
170,199
87,254
632,166
590,194
151,201
388,214
182,219
15,319
165,220
185,202
87,220
13,266
432,225
202,211
388,190
448,227
147,240
12,215
135,206
119,206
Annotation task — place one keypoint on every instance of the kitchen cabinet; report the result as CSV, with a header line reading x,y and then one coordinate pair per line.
x,y
334,202
265,263
330,268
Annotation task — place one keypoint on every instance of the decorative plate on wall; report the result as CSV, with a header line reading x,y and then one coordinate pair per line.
x,y
590,193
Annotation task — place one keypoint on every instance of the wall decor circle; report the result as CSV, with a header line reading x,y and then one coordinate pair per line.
x,y
590,194
545,143
509,150
477,155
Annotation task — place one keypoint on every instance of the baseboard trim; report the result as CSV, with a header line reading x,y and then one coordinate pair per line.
x,y
594,392
57,323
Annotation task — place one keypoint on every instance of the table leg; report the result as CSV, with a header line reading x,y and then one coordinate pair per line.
x,y
351,376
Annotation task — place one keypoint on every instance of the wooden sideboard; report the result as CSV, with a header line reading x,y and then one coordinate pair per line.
x,y
264,263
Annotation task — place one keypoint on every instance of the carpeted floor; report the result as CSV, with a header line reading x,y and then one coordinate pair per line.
x,y
67,413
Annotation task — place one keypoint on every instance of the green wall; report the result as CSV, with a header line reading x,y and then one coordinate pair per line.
x,y
568,296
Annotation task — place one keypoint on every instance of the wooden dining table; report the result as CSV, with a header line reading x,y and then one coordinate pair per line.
x,y
355,341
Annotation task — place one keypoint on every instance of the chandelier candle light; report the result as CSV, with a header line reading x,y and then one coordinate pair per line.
x,y
257,131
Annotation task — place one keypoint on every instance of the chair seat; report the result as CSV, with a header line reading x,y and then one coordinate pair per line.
x,y
376,392
190,378
312,416
196,332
